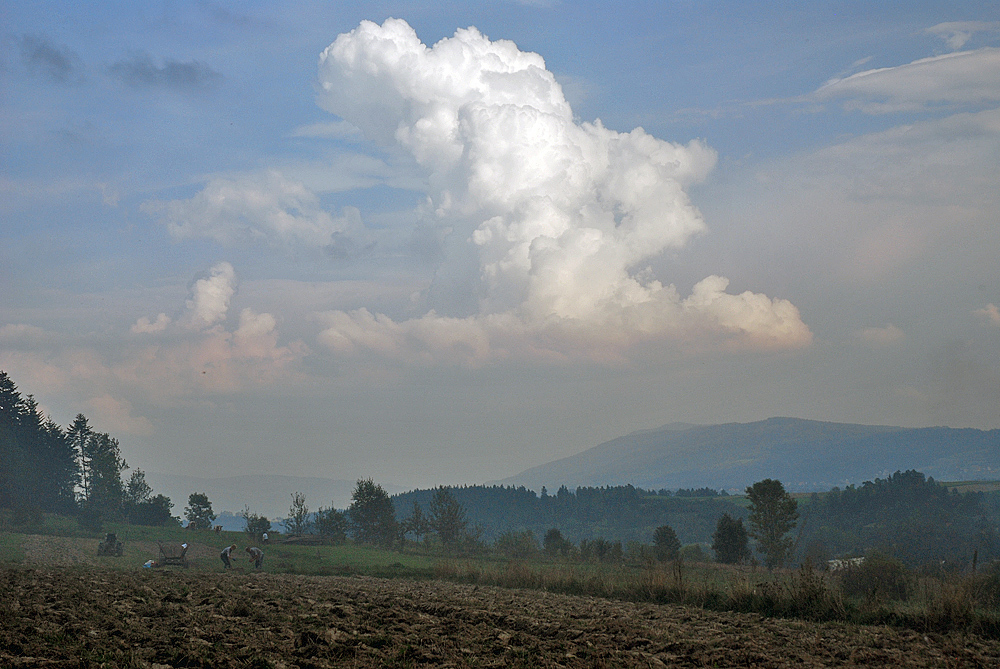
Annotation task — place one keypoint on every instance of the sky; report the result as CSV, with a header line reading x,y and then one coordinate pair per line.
x,y
440,243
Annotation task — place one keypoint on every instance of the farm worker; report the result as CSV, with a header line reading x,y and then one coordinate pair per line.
x,y
257,555
227,555
264,538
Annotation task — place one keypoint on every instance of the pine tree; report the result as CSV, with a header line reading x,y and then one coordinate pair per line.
x,y
106,492
37,467
79,435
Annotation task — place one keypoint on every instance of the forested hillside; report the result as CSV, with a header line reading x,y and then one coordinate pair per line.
x,y
906,515
618,513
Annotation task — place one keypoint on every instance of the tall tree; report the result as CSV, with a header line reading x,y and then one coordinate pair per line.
x,y
371,514
331,524
772,516
297,522
136,500
107,492
447,518
79,435
730,541
14,462
666,545
417,524
199,511
137,491
60,469
37,467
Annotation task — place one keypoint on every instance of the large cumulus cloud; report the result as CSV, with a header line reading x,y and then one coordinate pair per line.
x,y
550,222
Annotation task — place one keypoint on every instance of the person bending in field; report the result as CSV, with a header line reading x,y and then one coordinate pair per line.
x,y
227,555
256,555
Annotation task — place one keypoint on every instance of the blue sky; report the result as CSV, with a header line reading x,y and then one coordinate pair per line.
x,y
428,262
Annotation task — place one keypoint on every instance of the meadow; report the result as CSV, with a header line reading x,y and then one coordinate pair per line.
x,y
881,592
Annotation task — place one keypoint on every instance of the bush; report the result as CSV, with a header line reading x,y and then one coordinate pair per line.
x,y
556,544
89,519
811,595
27,516
693,553
601,550
516,545
988,587
878,578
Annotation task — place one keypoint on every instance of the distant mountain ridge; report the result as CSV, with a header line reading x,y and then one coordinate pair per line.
x,y
804,454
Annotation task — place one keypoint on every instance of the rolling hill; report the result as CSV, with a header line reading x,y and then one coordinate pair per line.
x,y
804,454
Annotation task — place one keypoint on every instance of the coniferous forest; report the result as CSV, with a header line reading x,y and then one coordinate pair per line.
x,y
73,471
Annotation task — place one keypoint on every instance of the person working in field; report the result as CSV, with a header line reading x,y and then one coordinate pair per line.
x,y
256,555
227,555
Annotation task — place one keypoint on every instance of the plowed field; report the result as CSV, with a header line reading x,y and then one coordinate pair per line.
x,y
87,617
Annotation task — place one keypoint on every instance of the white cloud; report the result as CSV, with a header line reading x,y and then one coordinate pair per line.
x,y
957,33
198,343
144,326
207,303
191,361
210,296
990,313
960,78
264,208
116,416
550,222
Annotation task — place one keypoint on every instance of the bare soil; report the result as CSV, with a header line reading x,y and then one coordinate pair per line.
x,y
87,617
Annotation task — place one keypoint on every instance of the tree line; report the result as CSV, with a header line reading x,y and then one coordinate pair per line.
x,y
77,471
619,513
445,525
371,519
906,515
